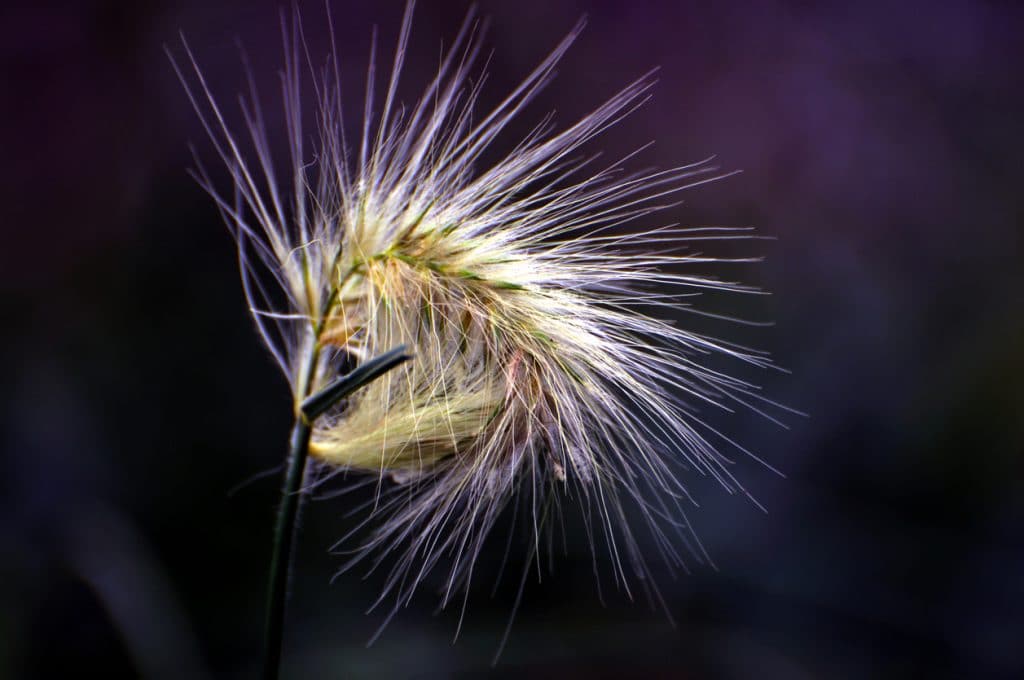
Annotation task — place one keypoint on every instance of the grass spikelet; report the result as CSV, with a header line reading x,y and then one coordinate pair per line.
x,y
541,365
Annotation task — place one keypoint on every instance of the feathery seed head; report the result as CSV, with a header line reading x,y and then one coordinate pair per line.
x,y
540,366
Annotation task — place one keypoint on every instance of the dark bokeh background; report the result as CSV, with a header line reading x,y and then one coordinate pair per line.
x,y
881,143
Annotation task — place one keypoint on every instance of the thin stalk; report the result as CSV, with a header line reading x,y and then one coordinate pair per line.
x,y
284,539
293,493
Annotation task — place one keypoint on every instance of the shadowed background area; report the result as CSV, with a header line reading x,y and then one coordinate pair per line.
x,y
881,145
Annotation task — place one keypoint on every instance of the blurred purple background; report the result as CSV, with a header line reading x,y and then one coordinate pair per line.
x,y
881,143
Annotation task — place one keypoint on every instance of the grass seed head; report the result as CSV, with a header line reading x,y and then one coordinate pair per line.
x,y
530,302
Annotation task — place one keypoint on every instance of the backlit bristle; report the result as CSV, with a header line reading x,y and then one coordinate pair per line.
x,y
522,289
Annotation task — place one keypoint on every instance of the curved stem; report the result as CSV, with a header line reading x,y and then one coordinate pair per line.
x,y
293,493
287,522
284,539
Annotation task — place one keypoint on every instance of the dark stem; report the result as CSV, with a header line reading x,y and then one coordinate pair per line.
x,y
293,492
284,538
